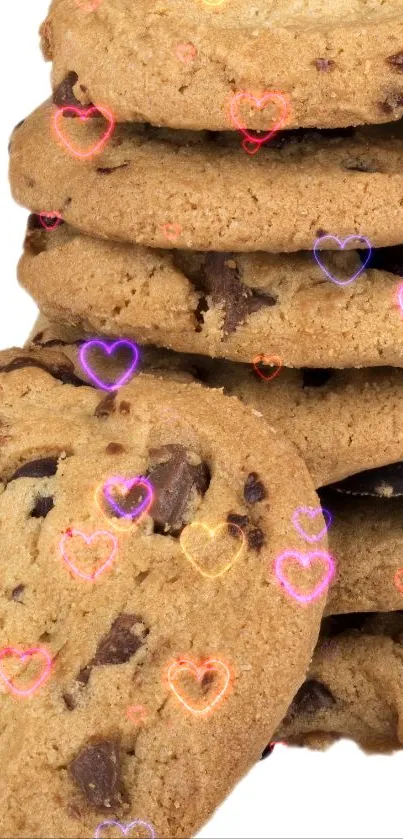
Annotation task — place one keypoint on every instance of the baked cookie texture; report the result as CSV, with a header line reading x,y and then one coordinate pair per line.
x,y
179,64
332,416
235,306
354,686
71,754
201,191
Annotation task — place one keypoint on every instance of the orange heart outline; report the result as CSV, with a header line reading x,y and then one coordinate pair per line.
x,y
199,670
212,531
83,114
266,360
260,104
398,581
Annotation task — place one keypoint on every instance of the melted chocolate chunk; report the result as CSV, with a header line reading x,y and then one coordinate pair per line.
x,y
256,539
175,481
108,169
106,406
222,281
392,103
69,701
396,61
239,521
114,448
17,592
313,696
43,506
384,482
64,95
96,770
324,64
267,751
44,467
254,490
64,371
315,377
121,643
385,259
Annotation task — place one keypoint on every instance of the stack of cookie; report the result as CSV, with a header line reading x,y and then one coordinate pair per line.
x,y
237,224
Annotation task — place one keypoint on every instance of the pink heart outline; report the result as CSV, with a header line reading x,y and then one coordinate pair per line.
x,y
84,115
305,560
312,512
171,231
270,95
400,297
109,349
125,828
43,215
23,655
88,539
342,243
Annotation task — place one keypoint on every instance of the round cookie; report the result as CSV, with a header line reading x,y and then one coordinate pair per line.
x,y
353,687
228,305
342,422
200,191
338,63
135,617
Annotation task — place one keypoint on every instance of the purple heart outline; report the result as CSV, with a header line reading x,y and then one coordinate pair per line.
x,y
312,512
109,349
342,244
305,560
125,827
129,483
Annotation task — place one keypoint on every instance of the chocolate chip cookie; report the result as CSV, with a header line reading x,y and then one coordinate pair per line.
x,y
237,306
179,64
200,191
353,687
136,671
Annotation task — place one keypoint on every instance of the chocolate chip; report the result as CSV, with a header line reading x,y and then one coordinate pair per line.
x,y
63,371
267,751
124,407
324,64
315,377
17,592
313,696
357,165
64,94
108,169
396,61
43,506
97,772
176,482
239,521
114,448
69,701
392,103
383,482
254,490
256,539
386,259
106,406
84,675
321,232
44,467
121,642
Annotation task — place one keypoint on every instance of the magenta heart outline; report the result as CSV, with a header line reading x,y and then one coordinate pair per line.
x,y
269,96
129,483
109,349
23,655
125,827
312,512
305,560
342,244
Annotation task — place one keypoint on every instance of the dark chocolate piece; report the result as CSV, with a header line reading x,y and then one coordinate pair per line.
x,y
383,482
313,696
396,61
43,506
43,467
254,490
17,592
392,103
237,521
121,643
106,170
256,539
267,751
96,770
222,282
175,482
64,371
106,406
114,448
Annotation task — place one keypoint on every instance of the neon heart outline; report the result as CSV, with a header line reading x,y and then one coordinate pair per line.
x,y
22,656
125,828
88,7
204,667
400,297
305,560
179,52
312,512
212,532
269,95
143,506
342,245
88,539
109,349
55,215
397,580
176,231
83,115
267,358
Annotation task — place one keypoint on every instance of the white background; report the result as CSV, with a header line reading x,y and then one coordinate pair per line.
x,y
295,792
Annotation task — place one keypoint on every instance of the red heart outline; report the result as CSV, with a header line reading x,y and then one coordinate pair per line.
x,y
266,98
267,359
24,654
84,115
44,215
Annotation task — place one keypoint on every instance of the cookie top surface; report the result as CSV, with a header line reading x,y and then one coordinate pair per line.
x,y
128,610
211,194
353,687
180,64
